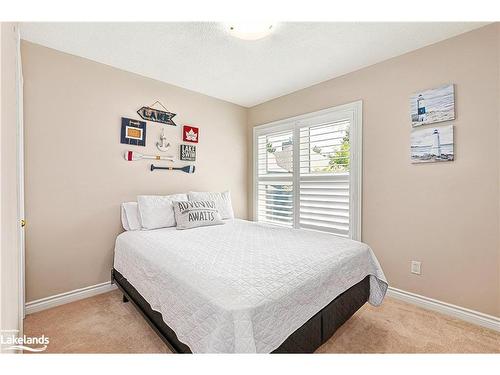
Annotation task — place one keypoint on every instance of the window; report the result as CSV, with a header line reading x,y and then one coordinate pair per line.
x,y
307,171
275,178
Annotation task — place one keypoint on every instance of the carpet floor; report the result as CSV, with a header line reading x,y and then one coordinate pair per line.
x,y
103,324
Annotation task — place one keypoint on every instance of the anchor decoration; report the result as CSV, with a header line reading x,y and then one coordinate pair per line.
x,y
157,115
162,145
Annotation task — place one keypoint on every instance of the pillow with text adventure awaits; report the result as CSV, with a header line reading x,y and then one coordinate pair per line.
x,y
192,214
222,201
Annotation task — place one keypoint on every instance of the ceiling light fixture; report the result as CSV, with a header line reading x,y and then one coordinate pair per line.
x,y
251,30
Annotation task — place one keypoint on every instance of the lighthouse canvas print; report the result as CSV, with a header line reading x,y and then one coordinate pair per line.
x,y
434,105
432,144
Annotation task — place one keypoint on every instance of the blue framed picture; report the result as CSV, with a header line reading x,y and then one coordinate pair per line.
x,y
133,132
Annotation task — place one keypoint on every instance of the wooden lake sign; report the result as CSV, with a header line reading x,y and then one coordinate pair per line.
x,y
157,115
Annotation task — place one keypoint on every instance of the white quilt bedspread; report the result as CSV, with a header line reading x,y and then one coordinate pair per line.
x,y
242,287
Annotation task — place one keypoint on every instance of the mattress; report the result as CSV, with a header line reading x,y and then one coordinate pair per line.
x,y
242,287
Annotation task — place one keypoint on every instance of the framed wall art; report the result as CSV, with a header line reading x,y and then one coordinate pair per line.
x,y
434,105
434,144
187,153
190,134
133,132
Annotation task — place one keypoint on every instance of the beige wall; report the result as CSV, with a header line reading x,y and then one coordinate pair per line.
x,y
445,215
9,240
76,177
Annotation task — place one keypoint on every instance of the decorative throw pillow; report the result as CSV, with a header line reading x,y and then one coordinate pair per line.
x,y
222,201
130,216
192,214
155,211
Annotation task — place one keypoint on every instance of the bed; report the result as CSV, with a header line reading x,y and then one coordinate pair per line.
x,y
245,287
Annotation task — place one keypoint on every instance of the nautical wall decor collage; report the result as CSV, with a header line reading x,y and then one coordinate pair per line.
x,y
133,133
430,144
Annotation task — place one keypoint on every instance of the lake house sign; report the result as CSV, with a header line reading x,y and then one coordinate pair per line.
x,y
157,115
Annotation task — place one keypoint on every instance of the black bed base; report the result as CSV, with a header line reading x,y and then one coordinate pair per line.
x,y
309,337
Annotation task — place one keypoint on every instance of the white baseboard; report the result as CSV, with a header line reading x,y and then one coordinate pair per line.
x,y
458,312
67,297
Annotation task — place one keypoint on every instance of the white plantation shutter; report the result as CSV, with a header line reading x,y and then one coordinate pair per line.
x,y
324,177
307,171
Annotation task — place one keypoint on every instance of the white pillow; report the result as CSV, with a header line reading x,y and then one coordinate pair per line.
x,y
192,214
124,218
156,211
130,216
222,201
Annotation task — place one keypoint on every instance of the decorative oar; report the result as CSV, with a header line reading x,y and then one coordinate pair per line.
x,y
133,156
187,168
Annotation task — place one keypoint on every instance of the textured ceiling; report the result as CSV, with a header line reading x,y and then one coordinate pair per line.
x,y
203,57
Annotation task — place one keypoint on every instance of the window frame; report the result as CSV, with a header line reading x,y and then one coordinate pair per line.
x,y
353,111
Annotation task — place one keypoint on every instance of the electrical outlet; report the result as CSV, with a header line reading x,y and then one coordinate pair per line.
x,y
415,267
